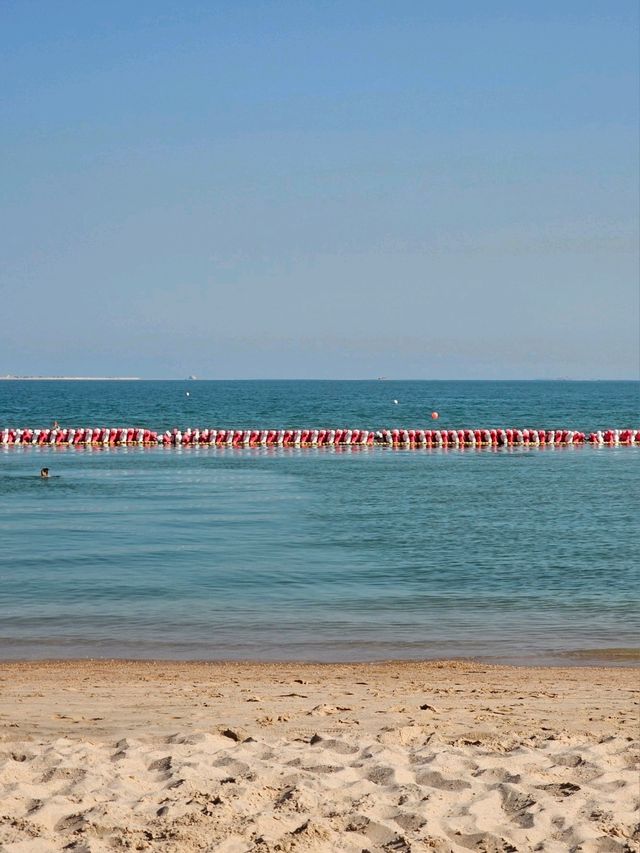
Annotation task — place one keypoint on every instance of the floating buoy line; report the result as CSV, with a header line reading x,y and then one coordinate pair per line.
x,y
406,438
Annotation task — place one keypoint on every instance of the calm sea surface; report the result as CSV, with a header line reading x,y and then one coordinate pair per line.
x,y
521,555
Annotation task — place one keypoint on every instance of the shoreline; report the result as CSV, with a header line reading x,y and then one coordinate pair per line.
x,y
575,659
410,756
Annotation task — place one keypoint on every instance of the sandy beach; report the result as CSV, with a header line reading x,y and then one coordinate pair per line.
x,y
450,756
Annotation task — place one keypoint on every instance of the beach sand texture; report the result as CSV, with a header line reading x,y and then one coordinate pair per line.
x,y
172,756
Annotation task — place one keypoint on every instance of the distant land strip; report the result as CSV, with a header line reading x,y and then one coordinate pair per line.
x,y
73,378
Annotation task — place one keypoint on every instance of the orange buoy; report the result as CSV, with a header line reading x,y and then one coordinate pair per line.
x,y
434,416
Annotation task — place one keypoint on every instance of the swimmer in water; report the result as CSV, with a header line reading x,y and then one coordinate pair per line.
x,y
44,473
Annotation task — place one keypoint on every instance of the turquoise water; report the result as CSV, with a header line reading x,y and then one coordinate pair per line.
x,y
329,554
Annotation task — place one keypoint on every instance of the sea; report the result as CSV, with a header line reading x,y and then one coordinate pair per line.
x,y
523,556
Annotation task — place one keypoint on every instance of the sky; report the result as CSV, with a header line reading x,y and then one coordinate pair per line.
x,y
247,189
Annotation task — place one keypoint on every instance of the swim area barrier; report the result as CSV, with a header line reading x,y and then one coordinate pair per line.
x,y
307,438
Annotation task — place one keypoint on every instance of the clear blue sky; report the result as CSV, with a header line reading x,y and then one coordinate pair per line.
x,y
319,189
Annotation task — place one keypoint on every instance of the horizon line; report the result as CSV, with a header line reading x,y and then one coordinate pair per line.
x,y
34,378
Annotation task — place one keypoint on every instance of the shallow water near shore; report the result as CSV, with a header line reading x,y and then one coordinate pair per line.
x,y
517,556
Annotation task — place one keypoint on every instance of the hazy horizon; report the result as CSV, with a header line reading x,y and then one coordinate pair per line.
x,y
62,378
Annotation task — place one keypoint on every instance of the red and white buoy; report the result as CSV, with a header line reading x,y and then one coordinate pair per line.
x,y
138,436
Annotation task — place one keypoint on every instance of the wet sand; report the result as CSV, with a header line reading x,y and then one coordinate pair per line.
x,y
444,756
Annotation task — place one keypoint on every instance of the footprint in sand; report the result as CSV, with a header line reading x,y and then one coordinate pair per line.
x,y
433,779
516,805
333,744
560,789
63,774
162,765
381,775
71,823
409,822
485,842
383,837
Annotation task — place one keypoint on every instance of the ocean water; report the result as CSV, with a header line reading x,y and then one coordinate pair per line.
x,y
330,554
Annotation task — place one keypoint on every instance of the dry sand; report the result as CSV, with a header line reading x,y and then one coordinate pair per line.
x,y
119,755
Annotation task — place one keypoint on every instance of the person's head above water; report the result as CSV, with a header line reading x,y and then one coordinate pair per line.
x,y
44,472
